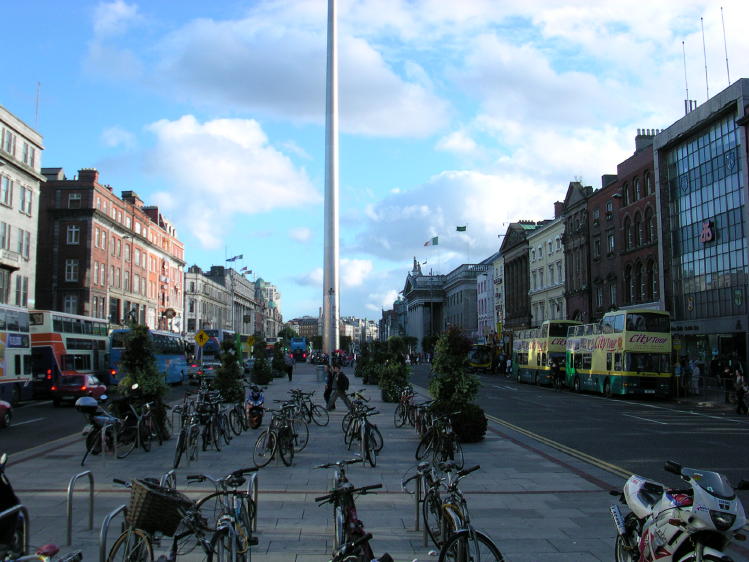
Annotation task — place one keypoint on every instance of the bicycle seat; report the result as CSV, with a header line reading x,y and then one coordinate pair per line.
x,y
47,550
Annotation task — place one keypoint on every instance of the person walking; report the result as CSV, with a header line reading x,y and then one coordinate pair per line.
x,y
741,390
288,360
696,374
339,387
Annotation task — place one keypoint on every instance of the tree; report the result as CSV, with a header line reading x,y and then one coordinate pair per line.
x,y
229,375
261,370
287,332
316,342
278,363
139,364
345,343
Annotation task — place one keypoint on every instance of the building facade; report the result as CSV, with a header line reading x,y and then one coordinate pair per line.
x,y
424,298
701,165
576,242
105,256
514,249
546,263
20,179
206,302
461,298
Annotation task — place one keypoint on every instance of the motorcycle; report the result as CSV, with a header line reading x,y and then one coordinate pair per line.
x,y
679,525
255,406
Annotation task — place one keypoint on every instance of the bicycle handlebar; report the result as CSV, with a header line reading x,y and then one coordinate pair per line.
x,y
467,471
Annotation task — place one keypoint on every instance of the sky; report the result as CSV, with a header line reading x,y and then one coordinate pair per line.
x,y
473,113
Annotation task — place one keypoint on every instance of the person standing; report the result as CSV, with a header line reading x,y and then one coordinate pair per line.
x,y
288,360
339,387
696,374
741,390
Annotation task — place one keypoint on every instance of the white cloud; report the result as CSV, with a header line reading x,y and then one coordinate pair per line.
x,y
223,168
114,18
300,234
458,142
312,278
355,271
118,137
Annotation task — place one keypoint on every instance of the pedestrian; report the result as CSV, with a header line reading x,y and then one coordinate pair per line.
x,y
696,381
508,367
328,383
288,360
339,387
741,389
727,382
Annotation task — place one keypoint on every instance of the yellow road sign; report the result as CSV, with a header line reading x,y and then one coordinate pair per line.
x,y
201,338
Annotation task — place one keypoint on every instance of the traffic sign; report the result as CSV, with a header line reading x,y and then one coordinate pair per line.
x,y
201,338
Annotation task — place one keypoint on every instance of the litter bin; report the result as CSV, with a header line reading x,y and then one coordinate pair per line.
x,y
320,372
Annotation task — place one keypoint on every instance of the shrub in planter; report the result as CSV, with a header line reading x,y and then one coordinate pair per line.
x,y
393,377
450,380
469,425
229,375
261,370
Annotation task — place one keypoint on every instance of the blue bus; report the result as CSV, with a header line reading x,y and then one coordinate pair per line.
x,y
168,349
298,348
212,347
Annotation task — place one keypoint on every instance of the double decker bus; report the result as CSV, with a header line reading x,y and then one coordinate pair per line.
x,y
66,344
299,348
212,347
15,354
168,349
534,350
627,353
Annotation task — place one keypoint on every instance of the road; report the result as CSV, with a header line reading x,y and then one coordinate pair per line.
x,y
635,435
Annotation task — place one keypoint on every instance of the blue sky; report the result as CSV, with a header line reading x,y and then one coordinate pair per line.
x,y
452,113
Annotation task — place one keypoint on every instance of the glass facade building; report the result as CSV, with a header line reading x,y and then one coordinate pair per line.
x,y
702,160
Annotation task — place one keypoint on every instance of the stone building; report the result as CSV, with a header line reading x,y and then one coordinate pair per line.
x,y
546,263
514,249
576,242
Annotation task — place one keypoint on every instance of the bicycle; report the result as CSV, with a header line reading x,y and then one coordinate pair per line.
x,y
189,435
279,437
310,412
404,410
105,431
367,433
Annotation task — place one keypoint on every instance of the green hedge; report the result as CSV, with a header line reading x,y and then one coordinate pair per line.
x,y
469,425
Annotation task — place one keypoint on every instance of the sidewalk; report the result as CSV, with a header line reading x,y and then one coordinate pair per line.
x,y
535,502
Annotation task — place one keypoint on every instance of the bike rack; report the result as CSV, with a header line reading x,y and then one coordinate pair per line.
x,y
169,480
26,523
104,429
252,490
71,486
105,531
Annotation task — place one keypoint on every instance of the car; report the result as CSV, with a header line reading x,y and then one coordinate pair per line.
x,y
249,365
209,369
192,370
6,414
72,387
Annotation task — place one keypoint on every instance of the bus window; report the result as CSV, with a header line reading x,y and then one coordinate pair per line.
x,y
23,322
18,365
557,330
118,339
618,320
578,360
617,361
609,361
11,320
607,326
587,359
36,318
2,319
27,364
545,331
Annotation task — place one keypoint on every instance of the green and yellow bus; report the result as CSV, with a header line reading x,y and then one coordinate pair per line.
x,y
535,349
627,353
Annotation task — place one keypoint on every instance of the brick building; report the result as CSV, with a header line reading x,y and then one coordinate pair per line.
x,y
105,256
576,242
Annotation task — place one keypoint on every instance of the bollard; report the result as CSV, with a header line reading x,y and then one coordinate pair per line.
x,y
26,524
105,530
418,501
71,484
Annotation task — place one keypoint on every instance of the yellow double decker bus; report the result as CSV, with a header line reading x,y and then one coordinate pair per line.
x,y
534,350
627,353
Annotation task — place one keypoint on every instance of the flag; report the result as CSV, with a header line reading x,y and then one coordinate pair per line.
x,y
235,258
433,242
461,228
243,269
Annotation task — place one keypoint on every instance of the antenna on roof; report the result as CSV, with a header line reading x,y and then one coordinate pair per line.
x,y
725,45
704,54
689,105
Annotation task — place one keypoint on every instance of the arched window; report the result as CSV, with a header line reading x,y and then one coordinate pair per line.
x,y
649,183
638,230
628,289
642,282
650,231
625,195
653,279
627,233
636,189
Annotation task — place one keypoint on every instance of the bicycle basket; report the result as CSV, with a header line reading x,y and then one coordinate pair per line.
x,y
156,508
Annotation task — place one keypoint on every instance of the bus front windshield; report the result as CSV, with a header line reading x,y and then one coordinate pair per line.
x,y
647,362
558,330
647,322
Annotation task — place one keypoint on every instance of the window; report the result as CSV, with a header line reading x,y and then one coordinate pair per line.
x,y
540,278
533,285
540,252
104,240
625,194
4,285
71,304
612,294
137,227
551,275
128,222
650,235
627,234
28,156
24,243
96,237
559,271
22,290
137,256
71,270
628,285
111,276
26,195
127,252
136,283
126,278
551,247
649,183
596,248
612,245
4,236
9,142
119,248
653,279
636,188
596,214
73,234
609,207
533,255
6,191
642,280
638,230
74,201
96,273
599,296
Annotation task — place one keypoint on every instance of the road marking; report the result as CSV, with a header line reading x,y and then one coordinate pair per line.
x,y
645,419
501,387
16,424
34,404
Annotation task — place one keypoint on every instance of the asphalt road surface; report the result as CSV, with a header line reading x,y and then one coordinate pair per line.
x,y
635,435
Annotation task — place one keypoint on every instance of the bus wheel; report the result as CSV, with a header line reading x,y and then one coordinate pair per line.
x,y
607,389
576,384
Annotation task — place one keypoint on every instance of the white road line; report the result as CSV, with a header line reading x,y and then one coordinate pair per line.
x,y
16,424
646,419
504,387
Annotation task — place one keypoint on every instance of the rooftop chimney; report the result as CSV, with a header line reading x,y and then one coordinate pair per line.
x,y
88,175
644,138
558,209
607,179
132,198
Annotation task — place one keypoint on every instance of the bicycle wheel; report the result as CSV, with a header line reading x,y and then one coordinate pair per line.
x,y
224,547
431,511
164,428
425,445
320,415
235,422
339,527
346,420
286,447
144,433
205,435
457,454
301,434
377,437
215,433
399,416
213,506
242,413
352,432
461,546
126,441
223,427
192,442
134,545
181,447
370,447
265,447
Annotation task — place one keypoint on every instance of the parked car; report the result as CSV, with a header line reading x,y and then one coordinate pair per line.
x,y
6,413
209,369
72,387
192,370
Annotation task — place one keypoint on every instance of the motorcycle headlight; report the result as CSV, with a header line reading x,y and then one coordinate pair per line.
x,y
722,520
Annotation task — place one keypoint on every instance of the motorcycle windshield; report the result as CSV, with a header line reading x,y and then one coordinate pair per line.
x,y
712,482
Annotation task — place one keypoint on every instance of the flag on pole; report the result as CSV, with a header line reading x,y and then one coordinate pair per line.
x,y
461,228
235,258
244,269
432,242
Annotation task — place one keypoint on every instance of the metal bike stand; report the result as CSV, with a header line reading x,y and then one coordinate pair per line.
x,y
169,480
105,530
252,490
104,429
26,523
418,501
71,486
